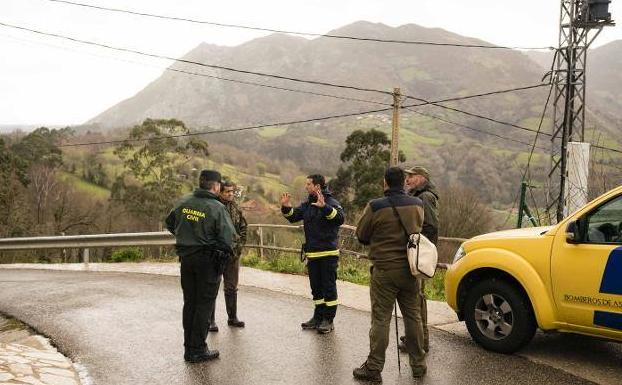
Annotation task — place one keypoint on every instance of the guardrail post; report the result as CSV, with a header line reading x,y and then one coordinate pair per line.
x,y
261,242
85,257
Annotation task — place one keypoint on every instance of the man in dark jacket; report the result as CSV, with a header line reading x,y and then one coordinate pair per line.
x,y
232,269
322,215
382,228
419,184
204,238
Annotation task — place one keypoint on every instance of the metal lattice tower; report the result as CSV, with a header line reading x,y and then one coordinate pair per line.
x,y
580,23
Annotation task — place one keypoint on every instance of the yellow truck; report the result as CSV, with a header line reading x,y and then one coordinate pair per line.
x,y
566,277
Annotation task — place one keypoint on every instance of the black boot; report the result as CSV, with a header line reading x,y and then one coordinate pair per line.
x,y
314,322
212,318
231,302
201,357
310,324
325,327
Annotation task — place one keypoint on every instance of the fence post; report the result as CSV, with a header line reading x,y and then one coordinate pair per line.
x,y
261,242
85,257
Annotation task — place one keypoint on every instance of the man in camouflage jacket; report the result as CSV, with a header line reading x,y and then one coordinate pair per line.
x,y
418,184
232,269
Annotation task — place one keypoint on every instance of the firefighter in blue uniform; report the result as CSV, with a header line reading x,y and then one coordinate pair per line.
x,y
322,215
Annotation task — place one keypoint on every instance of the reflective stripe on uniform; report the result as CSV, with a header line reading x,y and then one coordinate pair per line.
x,y
318,301
318,254
332,303
332,214
290,213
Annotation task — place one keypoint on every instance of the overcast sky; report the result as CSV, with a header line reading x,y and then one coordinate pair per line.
x,y
49,81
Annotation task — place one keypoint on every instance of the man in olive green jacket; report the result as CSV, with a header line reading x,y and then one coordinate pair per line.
x,y
382,228
231,273
204,238
419,184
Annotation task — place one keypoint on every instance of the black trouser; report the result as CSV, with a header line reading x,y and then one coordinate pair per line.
x,y
323,279
200,279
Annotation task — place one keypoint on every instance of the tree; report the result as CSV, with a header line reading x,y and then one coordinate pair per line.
x,y
364,161
151,179
13,173
40,152
41,147
463,214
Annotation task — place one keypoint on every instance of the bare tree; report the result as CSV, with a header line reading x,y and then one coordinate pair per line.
x,y
72,211
463,214
42,184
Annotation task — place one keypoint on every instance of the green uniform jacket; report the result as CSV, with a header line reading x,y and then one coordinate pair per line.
x,y
428,194
200,222
240,224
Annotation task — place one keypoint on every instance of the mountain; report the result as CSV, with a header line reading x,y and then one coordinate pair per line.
x,y
605,78
460,148
429,72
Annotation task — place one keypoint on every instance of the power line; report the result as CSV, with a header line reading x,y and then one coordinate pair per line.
x,y
263,29
506,123
203,74
276,87
470,128
228,130
425,102
535,140
607,148
489,93
472,114
484,94
214,66
311,120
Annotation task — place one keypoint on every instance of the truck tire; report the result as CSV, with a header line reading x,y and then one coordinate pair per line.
x,y
499,316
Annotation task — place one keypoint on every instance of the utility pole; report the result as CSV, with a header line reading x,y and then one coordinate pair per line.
x,y
523,208
580,23
395,129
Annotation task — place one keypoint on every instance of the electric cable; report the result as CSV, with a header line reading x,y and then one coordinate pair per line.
x,y
214,66
263,29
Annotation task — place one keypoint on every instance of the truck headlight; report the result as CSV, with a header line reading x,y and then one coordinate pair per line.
x,y
459,254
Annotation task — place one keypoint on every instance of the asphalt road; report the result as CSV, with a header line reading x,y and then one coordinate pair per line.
x,y
126,329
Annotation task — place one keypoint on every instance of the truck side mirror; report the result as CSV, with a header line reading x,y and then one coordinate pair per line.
x,y
572,232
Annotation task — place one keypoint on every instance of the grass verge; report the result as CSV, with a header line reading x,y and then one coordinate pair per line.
x,y
350,270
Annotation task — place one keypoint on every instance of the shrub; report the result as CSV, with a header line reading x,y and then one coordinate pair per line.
x,y
130,254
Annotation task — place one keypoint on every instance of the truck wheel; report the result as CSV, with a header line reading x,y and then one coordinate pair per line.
x,y
499,316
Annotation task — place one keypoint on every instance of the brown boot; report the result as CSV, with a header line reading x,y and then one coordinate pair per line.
x,y
365,374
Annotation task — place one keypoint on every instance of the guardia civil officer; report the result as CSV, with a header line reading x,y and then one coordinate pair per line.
x,y
322,215
204,238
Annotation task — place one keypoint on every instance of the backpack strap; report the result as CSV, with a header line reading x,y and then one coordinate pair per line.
x,y
399,218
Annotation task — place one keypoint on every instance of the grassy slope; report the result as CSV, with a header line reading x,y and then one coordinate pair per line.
x,y
81,185
113,167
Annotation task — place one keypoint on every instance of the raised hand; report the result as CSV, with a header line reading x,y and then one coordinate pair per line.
x,y
285,197
320,199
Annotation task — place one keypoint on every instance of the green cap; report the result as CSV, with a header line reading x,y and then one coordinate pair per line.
x,y
418,170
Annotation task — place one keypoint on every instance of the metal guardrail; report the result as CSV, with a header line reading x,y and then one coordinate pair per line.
x,y
157,238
